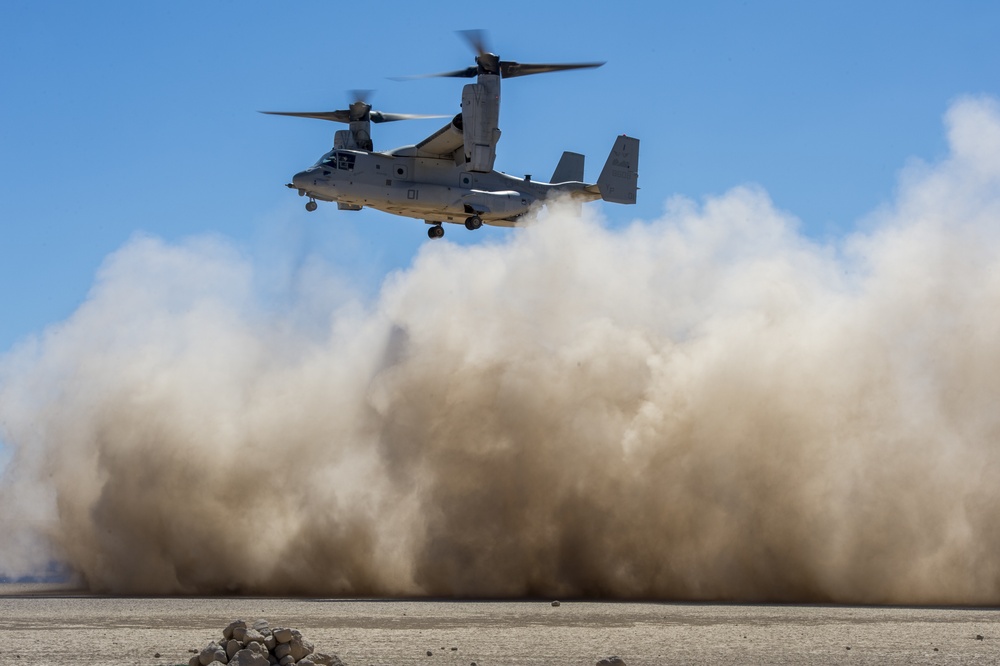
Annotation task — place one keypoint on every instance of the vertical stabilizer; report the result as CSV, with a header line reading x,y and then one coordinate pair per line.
x,y
619,179
569,169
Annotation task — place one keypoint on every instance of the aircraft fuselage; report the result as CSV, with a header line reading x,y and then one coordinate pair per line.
x,y
433,189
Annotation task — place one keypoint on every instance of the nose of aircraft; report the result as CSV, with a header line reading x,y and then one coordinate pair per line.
x,y
301,180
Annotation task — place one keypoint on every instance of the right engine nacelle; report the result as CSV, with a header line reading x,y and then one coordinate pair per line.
x,y
480,116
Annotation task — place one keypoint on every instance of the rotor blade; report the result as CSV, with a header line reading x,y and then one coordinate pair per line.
x,y
345,116
336,116
476,39
379,117
467,73
510,69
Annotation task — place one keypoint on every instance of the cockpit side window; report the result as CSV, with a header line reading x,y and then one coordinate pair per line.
x,y
340,160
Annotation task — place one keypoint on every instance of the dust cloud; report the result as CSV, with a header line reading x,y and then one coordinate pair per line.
x,y
708,406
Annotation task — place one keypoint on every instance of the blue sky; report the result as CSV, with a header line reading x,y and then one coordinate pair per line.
x,y
119,119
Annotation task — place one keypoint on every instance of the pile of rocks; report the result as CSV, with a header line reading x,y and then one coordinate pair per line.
x,y
259,645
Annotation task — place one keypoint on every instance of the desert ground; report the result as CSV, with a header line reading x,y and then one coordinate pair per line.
x,y
59,628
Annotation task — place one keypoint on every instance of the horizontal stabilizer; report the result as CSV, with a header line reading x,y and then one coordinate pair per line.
x,y
618,181
569,169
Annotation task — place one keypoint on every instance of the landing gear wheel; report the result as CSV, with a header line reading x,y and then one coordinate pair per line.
x,y
473,223
311,206
435,232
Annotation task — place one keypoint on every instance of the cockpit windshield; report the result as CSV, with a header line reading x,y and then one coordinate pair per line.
x,y
339,160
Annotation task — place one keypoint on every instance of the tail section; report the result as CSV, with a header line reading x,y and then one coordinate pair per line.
x,y
619,179
569,169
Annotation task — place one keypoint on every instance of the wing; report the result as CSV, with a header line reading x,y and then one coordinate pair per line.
x,y
443,144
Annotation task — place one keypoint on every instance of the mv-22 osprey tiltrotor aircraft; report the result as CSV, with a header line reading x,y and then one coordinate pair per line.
x,y
449,176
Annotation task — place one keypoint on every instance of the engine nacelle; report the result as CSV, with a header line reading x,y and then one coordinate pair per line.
x,y
342,139
357,138
480,116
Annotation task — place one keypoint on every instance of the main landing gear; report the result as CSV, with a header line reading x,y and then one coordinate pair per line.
x,y
311,206
437,231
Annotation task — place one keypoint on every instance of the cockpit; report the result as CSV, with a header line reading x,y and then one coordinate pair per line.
x,y
338,159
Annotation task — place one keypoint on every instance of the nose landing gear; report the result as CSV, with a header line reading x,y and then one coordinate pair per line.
x,y
311,206
435,231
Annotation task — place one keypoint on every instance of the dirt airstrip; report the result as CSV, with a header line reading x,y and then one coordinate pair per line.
x,y
63,629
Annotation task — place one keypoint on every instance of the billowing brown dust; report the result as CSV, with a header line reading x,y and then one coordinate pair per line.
x,y
706,406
